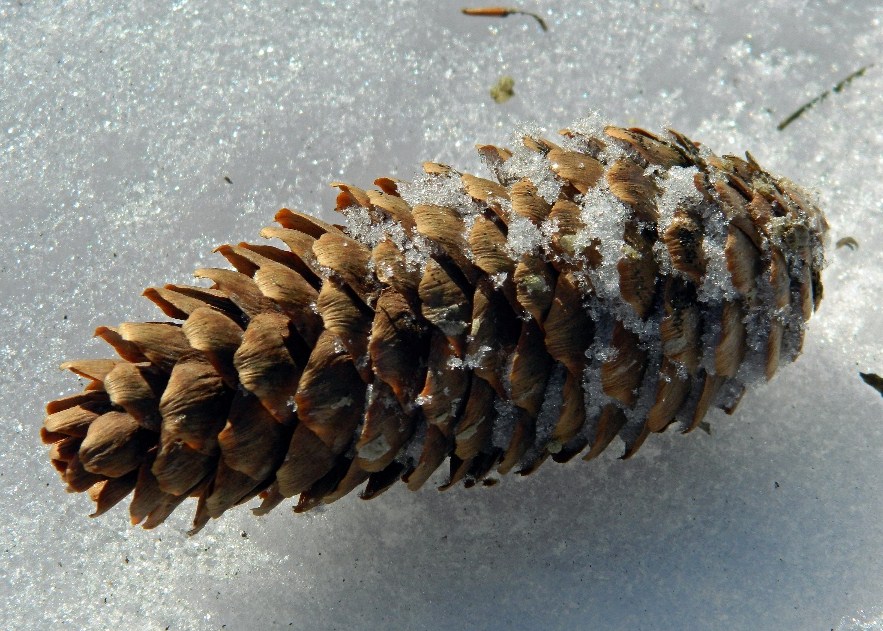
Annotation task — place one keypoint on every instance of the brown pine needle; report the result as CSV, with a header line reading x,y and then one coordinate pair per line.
x,y
502,12
824,95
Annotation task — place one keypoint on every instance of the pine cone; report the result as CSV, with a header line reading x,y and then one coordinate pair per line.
x,y
608,286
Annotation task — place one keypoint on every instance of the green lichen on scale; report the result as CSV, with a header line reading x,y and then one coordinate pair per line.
x,y
609,284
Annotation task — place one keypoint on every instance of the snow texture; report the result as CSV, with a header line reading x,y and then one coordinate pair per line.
x,y
135,137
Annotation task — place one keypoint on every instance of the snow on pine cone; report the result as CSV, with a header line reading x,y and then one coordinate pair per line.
x,y
609,285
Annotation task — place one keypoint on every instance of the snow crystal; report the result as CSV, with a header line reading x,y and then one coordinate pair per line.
x,y
504,423
524,237
604,218
437,190
531,165
717,285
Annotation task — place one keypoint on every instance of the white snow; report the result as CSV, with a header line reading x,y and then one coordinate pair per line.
x,y
119,123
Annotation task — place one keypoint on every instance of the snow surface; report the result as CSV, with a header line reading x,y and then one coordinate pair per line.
x,y
119,122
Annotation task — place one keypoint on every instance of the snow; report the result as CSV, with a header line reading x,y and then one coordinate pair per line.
x,y
119,123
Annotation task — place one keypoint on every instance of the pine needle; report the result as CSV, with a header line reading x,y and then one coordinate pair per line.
x,y
502,12
824,95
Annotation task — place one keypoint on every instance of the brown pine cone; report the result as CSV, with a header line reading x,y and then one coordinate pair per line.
x,y
607,286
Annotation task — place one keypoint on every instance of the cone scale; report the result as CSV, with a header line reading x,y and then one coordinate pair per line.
x,y
606,285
